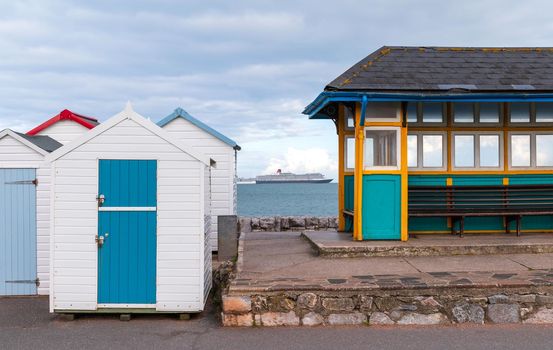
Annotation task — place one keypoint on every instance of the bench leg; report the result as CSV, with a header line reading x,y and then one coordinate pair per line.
x,y
462,230
518,225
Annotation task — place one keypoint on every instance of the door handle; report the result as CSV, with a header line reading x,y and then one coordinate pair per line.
x,y
101,199
100,240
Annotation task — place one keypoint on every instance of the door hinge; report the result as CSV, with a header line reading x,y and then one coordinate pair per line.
x,y
23,182
35,281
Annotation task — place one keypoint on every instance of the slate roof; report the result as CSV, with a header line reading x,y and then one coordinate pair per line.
x,y
45,142
181,113
439,69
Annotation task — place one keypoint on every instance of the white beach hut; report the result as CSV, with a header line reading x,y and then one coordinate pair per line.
x,y
24,213
130,207
218,147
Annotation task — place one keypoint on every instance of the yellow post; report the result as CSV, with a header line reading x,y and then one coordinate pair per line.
x,y
341,167
404,185
358,177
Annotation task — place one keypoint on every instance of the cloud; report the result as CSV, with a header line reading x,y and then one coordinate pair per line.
x,y
311,160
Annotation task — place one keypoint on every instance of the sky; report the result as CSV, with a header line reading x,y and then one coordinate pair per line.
x,y
246,68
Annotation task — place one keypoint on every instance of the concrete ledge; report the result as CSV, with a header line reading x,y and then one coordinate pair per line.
x,y
334,244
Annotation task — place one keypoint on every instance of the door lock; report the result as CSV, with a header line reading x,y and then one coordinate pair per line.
x,y
100,240
101,199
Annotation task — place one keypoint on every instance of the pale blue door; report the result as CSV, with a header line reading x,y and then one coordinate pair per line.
x,y
17,232
127,225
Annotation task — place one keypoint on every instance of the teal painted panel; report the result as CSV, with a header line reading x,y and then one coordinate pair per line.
x,y
530,179
127,260
128,183
533,222
17,232
381,207
427,224
349,193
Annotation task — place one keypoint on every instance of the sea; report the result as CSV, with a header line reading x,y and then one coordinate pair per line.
x,y
298,199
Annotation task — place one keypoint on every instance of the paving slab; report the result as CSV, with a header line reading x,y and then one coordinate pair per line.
x,y
467,264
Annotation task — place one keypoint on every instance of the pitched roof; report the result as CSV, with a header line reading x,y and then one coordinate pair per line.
x,y
45,142
87,122
128,114
181,113
439,69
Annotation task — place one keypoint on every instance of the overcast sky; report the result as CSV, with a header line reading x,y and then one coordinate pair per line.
x,y
247,68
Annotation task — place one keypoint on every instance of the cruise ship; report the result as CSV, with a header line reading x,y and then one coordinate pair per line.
x,y
281,177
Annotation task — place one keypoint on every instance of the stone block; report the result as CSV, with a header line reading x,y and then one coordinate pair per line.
x,y
498,299
259,304
542,316
468,313
278,224
380,318
413,318
346,319
323,223
236,304
267,224
284,224
311,223
245,225
524,298
307,300
430,302
296,222
365,303
280,303
312,319
255,224
231,320
338,304
280,319
504,313
544,299
333,222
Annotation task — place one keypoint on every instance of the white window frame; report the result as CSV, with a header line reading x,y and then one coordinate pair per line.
x,y
476,115
346,127
533,150
420,157
477,135
346,137
398,147
420,115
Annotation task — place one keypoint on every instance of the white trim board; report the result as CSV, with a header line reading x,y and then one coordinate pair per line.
x,y
127,208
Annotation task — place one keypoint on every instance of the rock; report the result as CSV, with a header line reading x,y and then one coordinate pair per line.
x,y
524,298
311,223
296,222
498,299
312,319
542,316
278,224
236,305
504,313
307,300
259,304
365,303
280,303
468,313
280,319
396,315
255,224
333,222
323,223
267,224
346,319
407,307
544,299
245,225
380,318
525,311
230,320
338,304
422,319
430,301
284,224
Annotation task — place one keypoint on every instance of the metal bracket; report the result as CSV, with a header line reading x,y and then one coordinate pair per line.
x,y
36,281
23,182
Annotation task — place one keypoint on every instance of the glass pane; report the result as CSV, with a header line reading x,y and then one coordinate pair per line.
x,y
544,150
520,150
380,148
464,151
411,112
350,153
432,151
489,150
412,156
544,112
385,110
489,112
432,112
463,112
520,112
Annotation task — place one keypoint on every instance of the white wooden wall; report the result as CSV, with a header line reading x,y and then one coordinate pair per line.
x,y
223,177
208,274
180,230
14,154
64,131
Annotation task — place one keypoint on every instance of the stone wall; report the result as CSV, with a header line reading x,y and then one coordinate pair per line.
x,y
287,223
313,308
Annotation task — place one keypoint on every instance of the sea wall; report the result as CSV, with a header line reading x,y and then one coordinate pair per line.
x,y
287,223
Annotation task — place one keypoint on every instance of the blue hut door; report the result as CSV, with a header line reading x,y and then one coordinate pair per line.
x,y
126,238
18,232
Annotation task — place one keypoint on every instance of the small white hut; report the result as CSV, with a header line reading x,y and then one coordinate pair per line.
x,y
24,213
130,207
219,148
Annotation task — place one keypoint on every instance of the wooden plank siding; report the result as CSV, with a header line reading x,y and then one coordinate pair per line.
x,y
64,131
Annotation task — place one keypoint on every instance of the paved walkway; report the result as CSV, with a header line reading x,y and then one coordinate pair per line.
x,y
275,261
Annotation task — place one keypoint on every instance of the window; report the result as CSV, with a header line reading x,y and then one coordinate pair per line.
x,y
350,153
426,150
349,119
520,151
544,150
381,148
477,150
476,113
488,112
432,112
463,112
383,111
520,112
412,112
544,112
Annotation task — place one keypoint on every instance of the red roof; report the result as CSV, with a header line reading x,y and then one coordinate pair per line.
x,y
87,122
